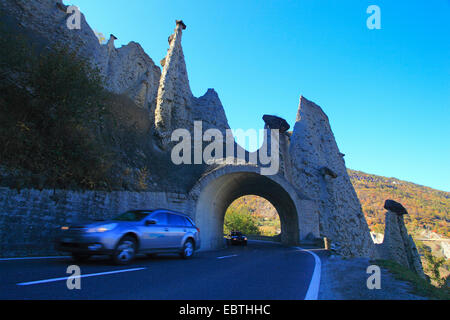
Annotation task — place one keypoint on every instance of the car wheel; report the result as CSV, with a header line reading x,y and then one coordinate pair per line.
x,y
125,251
188,249
78,257
244,243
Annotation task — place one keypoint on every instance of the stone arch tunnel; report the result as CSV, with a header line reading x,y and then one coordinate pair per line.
x,y
215,191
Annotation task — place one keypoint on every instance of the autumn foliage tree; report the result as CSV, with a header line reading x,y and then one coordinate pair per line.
x,y
240,220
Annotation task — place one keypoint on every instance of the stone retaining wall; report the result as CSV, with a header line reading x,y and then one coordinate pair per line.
x,y
30,219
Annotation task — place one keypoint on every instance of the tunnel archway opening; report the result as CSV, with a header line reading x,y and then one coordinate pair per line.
x,y
254,216
217,191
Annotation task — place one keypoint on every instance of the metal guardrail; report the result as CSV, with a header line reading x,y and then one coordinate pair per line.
x,y
264,238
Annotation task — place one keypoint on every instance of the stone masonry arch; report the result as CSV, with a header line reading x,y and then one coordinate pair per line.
x,y
215,191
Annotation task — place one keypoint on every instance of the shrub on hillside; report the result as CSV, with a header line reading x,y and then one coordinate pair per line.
x,y
433,265
52,106
240,221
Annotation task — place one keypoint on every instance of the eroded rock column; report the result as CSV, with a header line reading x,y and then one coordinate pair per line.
x,y
174,93
398,245
318,170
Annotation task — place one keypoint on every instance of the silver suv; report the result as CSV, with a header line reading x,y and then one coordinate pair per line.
x,y
143,231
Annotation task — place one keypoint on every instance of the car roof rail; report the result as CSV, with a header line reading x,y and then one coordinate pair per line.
x,y
172,211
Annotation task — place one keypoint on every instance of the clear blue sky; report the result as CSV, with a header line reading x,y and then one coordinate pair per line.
x,y
386,92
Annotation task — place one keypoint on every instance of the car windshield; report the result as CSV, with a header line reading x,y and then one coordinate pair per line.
x,y
132,216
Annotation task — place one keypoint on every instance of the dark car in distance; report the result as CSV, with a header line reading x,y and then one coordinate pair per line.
x,y
236,238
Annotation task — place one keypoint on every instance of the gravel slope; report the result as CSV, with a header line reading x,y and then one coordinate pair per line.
x,y
345,279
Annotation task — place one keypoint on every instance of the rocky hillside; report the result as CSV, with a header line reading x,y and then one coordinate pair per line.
x,y
428,209
91,131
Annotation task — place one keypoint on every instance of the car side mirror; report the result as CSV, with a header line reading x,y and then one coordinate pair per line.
x,y
150,222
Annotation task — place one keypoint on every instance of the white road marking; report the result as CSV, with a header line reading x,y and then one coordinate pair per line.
x,y
225,257
313,289
81,276
33,258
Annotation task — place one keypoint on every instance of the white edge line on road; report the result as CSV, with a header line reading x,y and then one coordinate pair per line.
x,y
81,276
224,257
33,258
314,285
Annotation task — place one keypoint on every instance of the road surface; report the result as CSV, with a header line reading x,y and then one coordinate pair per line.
x,y
265,271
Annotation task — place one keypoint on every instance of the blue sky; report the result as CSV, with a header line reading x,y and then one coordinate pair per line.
x,y
386,92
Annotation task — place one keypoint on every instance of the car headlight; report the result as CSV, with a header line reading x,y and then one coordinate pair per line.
x,y
65,228
104,228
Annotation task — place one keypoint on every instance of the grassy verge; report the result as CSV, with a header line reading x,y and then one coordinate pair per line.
x,y
420,286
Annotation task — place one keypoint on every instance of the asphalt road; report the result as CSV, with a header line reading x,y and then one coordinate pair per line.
x,y
263,271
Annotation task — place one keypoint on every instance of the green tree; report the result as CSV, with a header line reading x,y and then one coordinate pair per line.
x,y
433,266
240,220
